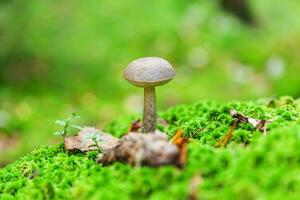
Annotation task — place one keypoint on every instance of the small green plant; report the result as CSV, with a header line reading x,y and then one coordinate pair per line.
x,y
96,139
67,124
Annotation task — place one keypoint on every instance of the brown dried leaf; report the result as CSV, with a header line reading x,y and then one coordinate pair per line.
x,y
83,141
181,144
222,142
260,125
142,149
135,126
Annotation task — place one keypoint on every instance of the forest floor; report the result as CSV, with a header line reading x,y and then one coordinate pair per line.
x,y
255,164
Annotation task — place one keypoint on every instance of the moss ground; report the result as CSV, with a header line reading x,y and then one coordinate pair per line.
x,y
251,167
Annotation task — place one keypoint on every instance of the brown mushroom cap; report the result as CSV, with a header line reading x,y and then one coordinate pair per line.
x,y
149,72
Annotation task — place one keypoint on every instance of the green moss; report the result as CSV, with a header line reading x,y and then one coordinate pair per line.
x,y
265,168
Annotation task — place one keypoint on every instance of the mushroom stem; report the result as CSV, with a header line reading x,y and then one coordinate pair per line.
x,y
149,119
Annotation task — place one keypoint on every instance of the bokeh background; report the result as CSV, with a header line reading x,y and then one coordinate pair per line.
x,y
59,57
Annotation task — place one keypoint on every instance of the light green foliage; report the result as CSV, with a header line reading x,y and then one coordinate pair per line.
x,y
252,167
66,124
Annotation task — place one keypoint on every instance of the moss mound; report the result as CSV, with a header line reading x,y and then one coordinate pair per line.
x,y
251,167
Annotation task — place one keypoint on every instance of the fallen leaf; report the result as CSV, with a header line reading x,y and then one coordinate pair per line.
x,y
223,141
136,149
181,144
84,142
260,125
135,126
139,149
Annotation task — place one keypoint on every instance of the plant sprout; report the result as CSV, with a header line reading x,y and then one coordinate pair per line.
x,y
96,140
67,124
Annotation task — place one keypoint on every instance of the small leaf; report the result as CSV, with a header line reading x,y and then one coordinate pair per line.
x,y
76,127
58,133
60,122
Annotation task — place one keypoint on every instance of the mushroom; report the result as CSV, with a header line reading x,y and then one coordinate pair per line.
x,y
148,73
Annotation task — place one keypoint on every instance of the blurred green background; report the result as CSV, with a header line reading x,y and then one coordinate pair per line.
x,y
59,57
